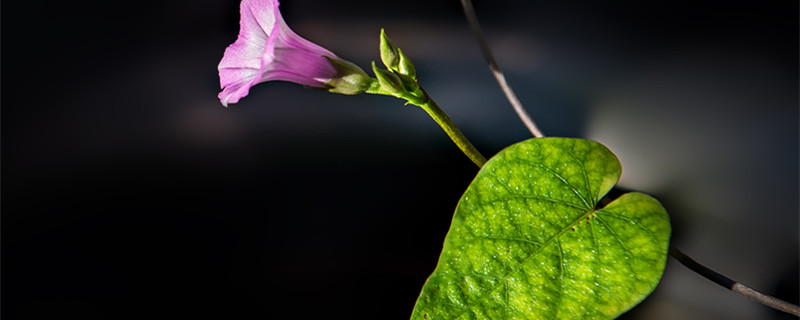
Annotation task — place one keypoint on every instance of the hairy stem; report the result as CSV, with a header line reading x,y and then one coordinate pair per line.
x,y
452,131
733,285
472,18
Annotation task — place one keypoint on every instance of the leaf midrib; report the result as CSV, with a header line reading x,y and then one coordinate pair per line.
x,y
545,244
589,210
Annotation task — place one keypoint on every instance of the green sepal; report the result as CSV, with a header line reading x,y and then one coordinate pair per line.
x,y
389,81
349,79
410,84
405,65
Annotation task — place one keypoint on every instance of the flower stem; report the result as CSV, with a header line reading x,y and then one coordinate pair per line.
x,y
420,98
452,131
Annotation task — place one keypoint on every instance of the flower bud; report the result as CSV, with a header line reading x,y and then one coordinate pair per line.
x,y
405,65
410,84
388,80
389,53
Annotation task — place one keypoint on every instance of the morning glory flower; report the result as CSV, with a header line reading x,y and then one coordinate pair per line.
x,y
267,49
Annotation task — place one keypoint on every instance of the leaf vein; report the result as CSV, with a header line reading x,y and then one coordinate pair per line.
x,y
628,252
634,222
585,175
558,176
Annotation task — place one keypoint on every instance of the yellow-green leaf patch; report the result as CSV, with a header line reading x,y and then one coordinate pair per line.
x,y
527,240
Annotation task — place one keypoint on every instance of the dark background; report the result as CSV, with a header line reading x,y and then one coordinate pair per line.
x,y
129,192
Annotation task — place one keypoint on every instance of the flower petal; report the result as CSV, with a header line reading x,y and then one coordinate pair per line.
x,y
267,49
241,64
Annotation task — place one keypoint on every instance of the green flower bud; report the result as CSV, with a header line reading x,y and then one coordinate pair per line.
x,y
409,83
350,79
389,53
389,81
405,65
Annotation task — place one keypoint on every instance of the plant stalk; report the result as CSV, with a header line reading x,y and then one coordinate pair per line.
x,y
452,131
732,285
472,18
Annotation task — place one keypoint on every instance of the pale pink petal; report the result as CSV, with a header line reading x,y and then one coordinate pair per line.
x,y
267,49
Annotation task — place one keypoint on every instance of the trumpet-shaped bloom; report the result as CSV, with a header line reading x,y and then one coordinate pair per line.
x,y
267,49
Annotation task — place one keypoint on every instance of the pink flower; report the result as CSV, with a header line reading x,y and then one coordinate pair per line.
x,y
267,49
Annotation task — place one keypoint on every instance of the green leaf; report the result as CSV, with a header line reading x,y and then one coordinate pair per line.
x,y
527,241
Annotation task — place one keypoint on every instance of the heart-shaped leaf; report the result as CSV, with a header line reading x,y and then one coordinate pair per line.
x,y
527,241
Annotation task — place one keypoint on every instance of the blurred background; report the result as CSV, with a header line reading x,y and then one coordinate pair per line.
x,y
129,192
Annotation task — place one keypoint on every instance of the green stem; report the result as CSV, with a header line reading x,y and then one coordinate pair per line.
x,y
452,131
418,97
